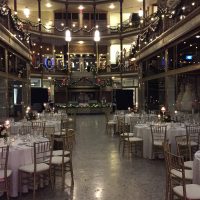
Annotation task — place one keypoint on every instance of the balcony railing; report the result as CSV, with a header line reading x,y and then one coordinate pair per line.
x,y
163,20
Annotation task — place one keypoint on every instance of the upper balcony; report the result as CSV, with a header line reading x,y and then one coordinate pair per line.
x,y
148,30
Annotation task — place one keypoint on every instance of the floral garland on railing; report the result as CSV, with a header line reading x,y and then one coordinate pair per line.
x,y
156,20
4,133
96,82
88,105
17,24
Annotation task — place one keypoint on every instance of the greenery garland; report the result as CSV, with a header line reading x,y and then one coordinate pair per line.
x,y
96,82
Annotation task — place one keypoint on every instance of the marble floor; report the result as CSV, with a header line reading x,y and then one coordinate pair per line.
x,y
101,173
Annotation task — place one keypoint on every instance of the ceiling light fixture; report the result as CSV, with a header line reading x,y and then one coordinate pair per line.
x,y
68,37
197,36
80,42
111,6
81,7
48,5
97,36
140,13
27,12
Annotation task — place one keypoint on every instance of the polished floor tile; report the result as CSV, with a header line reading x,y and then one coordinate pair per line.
x,y
101,173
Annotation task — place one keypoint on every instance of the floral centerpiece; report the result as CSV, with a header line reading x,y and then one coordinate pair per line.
x,y
4,130
30,115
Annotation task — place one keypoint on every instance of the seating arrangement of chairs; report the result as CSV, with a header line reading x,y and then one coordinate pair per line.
x,y
5,173
178,176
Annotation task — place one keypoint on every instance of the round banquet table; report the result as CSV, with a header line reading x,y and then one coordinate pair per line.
x,y
20,153
196,168
15,127
143,131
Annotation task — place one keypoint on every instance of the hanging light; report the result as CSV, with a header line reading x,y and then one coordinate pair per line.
x,y
111,6
140,13
68,37
27,12
97,36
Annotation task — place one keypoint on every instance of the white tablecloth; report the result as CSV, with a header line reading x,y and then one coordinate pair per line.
x,y
196,168
20,154
143,131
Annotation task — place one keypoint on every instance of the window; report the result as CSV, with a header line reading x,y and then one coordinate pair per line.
x,y
86,16
102,16
2,59
58,15
75,16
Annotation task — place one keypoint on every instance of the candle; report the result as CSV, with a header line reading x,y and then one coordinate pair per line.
x,y
7,123
159,116
163,109
28,108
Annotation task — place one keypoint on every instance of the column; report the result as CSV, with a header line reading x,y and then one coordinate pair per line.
x,y
144,11
81,18
121,39
39,15
95,43
141,90
15,6
170,82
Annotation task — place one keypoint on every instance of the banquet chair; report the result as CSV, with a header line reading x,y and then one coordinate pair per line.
x,y
178,186
131,142
40,170
63,128
125,132
167,148
184,149
39,126
5,173
120,123
62,160
49,132
72,121
133,122
24,130
70,142
193,132
158,135
111,124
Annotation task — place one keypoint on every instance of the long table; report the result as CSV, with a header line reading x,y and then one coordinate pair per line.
x,y
88,110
